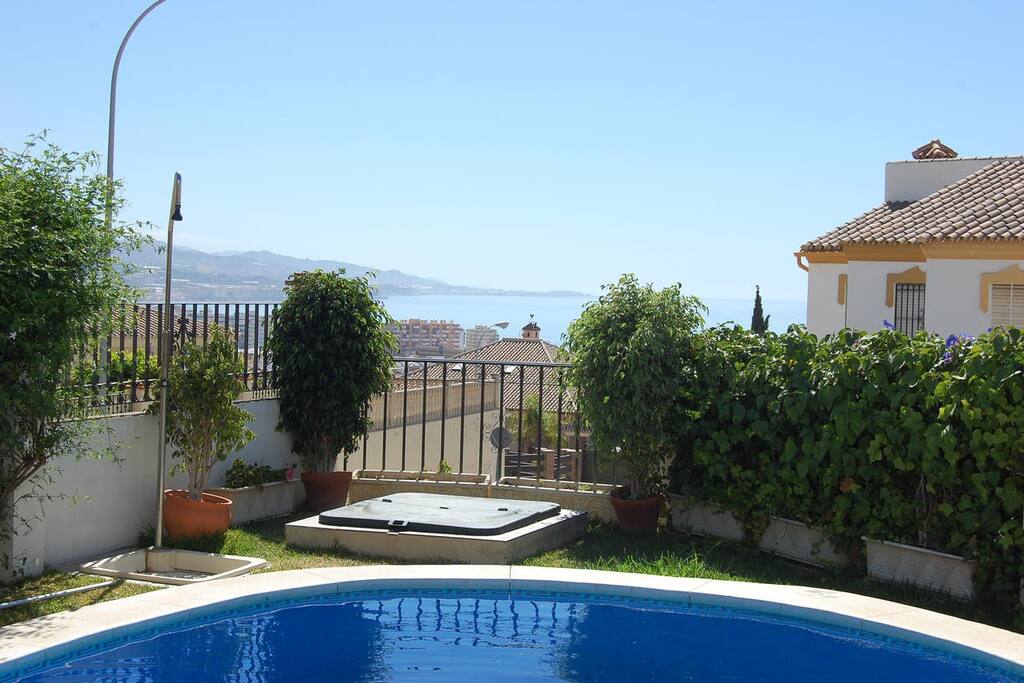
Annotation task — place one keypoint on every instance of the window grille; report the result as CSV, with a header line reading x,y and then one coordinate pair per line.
x,y
909,308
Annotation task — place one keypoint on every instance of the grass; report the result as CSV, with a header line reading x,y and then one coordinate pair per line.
x,y
55,581
667,553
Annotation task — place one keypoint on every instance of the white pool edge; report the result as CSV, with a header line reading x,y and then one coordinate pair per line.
x,y
46,639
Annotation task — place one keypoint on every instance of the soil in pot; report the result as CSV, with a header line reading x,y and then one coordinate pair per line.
x,y
188,518
326,490
637,516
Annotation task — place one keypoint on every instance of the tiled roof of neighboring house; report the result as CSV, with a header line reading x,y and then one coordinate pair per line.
x,y
987,205
508,350
518,350
131,322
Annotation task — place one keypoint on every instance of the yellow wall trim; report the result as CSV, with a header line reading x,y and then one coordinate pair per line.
x,y
884,252
975,250
1011,275
822,256
913,276
841,297
1003,249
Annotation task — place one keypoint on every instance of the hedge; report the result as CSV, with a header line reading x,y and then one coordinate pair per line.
x,y
916,440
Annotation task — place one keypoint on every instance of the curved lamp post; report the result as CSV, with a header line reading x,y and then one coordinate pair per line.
x,y
104,344
113,91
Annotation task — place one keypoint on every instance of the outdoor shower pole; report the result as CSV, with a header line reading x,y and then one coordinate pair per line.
x,y
166,347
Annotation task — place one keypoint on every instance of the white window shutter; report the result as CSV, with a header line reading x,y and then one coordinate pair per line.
x,y
1007,305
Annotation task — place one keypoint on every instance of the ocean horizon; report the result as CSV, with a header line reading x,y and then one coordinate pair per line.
x,y
555,313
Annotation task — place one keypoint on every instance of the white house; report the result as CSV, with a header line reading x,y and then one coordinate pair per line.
x,y
944,252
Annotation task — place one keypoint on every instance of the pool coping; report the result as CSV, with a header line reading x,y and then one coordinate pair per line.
x,y
53,637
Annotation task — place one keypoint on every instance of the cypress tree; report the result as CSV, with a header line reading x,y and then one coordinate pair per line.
x,y
759,321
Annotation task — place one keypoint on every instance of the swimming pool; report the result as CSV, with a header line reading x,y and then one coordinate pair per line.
x,y
488,632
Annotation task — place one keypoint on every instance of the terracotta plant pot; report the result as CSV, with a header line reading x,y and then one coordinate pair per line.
x,y
187,518
326,490
637,516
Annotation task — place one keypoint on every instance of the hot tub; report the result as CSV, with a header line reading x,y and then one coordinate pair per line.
x,y
434,513
428,526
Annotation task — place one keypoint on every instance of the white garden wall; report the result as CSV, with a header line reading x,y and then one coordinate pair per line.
x,y
106,504
99,505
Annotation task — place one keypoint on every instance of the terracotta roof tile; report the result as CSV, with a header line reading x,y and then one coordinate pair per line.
x,y
150,318
987,205
513,351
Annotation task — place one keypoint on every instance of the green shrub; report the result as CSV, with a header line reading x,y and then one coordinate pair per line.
x,y
126,364
916,440
242,474
532,414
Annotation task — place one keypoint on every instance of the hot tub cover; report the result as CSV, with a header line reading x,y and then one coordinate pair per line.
x,y
435,513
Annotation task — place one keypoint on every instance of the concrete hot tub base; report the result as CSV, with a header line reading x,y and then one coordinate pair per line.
x,y
456,531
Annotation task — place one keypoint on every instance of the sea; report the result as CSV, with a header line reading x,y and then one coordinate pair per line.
x,y
554,313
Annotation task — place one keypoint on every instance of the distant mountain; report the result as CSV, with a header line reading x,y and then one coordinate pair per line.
x,y
240,276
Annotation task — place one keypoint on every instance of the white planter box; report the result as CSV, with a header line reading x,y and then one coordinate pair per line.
x,y
276,499
898,563
797,541
703,519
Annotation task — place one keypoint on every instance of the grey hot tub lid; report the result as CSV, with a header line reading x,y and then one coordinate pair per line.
x,y
435,513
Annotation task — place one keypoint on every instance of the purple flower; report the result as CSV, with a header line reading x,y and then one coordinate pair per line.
x,y
950,340
888,325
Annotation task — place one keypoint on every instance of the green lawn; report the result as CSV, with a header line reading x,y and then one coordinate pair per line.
x,y
603,547
55,581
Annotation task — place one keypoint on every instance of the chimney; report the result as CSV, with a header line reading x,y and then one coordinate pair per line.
x,y
531,330
935,165
934,150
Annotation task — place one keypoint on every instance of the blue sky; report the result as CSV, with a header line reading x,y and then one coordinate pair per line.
x,y
529,144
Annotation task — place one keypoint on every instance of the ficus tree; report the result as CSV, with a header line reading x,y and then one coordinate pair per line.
x,y
332,352
204,425
60,276
634,368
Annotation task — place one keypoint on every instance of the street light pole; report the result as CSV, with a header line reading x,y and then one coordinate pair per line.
x,y
113,96
109,212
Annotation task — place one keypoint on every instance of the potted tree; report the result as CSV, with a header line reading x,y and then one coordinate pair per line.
x,y
204,426
331,351
633,357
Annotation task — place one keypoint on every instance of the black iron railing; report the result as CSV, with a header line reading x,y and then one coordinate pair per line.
x,y
509,419
504,419
121,373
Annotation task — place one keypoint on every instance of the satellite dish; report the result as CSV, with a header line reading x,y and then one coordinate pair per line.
x,y
501,438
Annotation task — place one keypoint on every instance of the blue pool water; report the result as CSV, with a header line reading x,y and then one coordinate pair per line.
x,y
486,637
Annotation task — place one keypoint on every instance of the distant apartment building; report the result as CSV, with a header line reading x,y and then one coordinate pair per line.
x,y
481,335
428,338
